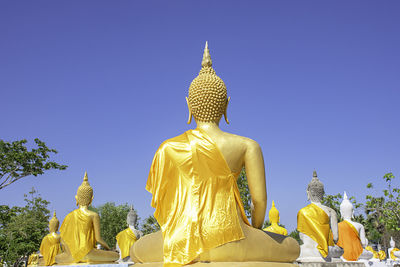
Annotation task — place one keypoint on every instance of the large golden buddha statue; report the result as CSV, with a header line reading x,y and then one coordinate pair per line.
x,y
80,232
50,245
195,194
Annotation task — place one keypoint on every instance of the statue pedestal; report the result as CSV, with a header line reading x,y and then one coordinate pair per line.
x,y
331,264
97,265
226,264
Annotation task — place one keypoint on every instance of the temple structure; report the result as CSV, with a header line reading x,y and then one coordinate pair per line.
x,y
195,195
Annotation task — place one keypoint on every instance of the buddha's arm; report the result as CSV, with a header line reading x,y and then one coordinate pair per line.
x,y
334,225
97,235
255,172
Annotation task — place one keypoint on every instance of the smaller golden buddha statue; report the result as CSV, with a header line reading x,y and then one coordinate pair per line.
x,y
80,231
371,249
33,259
274,220
50,245
127,237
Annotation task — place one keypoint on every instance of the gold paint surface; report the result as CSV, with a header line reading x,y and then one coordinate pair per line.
x,y
195,196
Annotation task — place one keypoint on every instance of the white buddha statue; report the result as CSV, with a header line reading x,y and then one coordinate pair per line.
x,y
318,227
393,252
127,237
352,234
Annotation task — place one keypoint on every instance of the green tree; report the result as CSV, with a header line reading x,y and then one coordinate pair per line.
x,y
112,220
296,235
244,192
383,212
17,162
22,229
150,225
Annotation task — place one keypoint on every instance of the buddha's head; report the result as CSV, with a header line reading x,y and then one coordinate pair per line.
x,y
131,218
84,195
392,243
315,189
54,224
273,214
207,100
346,208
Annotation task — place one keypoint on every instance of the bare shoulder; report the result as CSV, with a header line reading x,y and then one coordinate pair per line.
x,y
245,141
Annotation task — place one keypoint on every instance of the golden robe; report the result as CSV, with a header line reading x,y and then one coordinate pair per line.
x,y
382,255
49,248
195,196
276,229
350,241
369,248
314,222
392,256
77,231
125,240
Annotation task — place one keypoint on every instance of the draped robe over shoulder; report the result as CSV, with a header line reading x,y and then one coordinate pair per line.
x,y
125,240
195,196
350,241
49,248
77,231
314,222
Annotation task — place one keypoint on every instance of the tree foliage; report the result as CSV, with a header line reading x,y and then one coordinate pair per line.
x,y
150,225
22,228
112,221
17,162
244,192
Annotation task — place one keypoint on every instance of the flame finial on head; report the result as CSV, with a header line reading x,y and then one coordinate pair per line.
x,y
206,62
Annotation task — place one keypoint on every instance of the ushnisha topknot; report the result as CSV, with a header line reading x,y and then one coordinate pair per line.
x,y
316,188
207,93
54,223
131,217
84,194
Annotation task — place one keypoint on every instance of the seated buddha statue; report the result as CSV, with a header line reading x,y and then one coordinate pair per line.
x,y
80,232
381,253
375,256
50,245
193,182
127,237
274,220
351,234
318,227
393,252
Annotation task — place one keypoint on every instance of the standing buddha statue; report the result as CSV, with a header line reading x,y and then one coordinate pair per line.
x,y
193,180
80,231
274,220
127,237
50,245
318,227
351,234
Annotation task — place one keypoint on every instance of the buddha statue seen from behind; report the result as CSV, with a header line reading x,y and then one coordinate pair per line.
x,y
318,227
273,216
80,232
50,245
393,252
351,234
127,237
195,194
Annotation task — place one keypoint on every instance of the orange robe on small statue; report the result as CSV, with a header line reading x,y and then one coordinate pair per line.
x,y
350,241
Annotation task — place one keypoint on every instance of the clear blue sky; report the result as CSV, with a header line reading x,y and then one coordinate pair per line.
x,y
316,83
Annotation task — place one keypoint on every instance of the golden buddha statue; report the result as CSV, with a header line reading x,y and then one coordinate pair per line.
x,y
80,231
274,220
33,259
50,245
195,194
